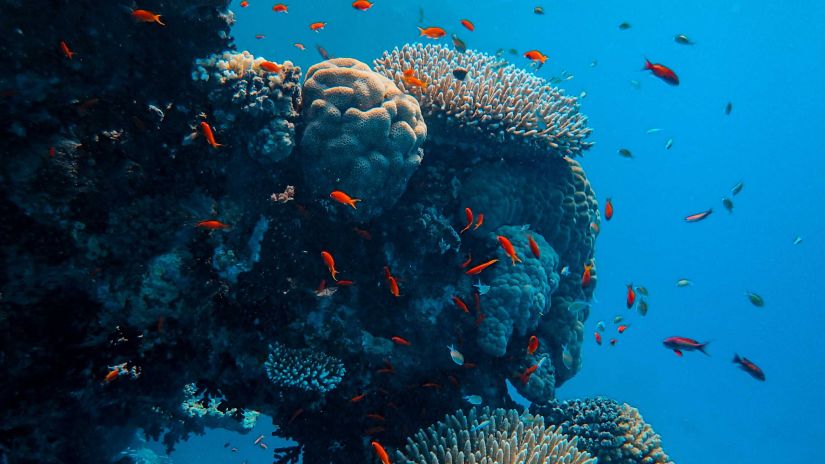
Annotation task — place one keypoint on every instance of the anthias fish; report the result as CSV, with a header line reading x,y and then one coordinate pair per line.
x,y
682,344
698,216
432,32
748,366
662,72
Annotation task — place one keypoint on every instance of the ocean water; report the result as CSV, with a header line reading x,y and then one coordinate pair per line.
x,y
764,59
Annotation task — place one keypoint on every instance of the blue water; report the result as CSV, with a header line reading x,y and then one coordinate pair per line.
x,y
765,58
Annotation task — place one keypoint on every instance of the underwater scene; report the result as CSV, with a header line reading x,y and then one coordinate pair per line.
x,y
412,231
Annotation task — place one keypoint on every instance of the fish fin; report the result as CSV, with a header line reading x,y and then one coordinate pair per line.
x,y
737,359
421,31
648,65
678,353
702,348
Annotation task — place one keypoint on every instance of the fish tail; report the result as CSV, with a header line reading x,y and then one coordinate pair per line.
x,y
352,203
737,359
648,65
421,32
702,347
157,20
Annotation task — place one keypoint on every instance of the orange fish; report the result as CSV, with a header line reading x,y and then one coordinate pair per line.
x,y
362,233
535,55
212,225
532,344
330,262
431,385
344,283
400,341
432,32
525,376
586,276
299,46
469,25
381,452
112,375
343,198
508,248
210,136
534,247
699,216
317,26
481,267
631,296
467,263
270,66
461,305
608,209
394,290
622,328
595,228
469,213
65,49
598,338
413,81
377,417
662,72
480,221
259,36
146,16
362,5
357,398
280,8
244,4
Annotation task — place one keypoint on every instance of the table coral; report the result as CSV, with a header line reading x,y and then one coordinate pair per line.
x,y
304,369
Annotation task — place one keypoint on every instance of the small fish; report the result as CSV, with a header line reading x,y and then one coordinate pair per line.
x,y
280,8
749,367
681,344
613,342
412,81
728,108
482,289
654,130
318,26
269,66
469,214
467,263
532,344
683,283
245,4
600,326
210,136
797,240
459,44
525,376
431,32
538,10
112,375
594,226
737,188
631,296
343,198
456,355
534,247
362,5
576,308
641,290
624,26
583,94
364,234
330,263
481,267
635,84
662,72
146,16
618,319
212,225
565,271
323,52
344,283
377,417
473,399
624,152
728,204
357,398
622,328
586,276
598,338
668,144
642,307
566,357
468,24
66,51
400,341
535,55
420,15
698,216
461,305
755,299
479,222
460,73
380,452
508,248
260,36
299,46
258,440
594,63
53,151
480,426
608,209
682,39
393,283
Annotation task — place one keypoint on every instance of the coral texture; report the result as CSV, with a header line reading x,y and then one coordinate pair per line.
x,y
303,369
615,433
363,135
505,103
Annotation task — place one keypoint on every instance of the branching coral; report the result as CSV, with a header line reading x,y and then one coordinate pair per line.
x,y
363,135
505,103
209,410
304,369
499,436
615,433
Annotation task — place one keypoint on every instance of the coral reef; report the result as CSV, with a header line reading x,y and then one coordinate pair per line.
x,y
502,103
499,436
363,135
615,433
303,369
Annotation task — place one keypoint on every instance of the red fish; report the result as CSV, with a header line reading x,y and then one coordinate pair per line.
x,y
412,81
480,221
461,305
362,233
532,344
508,248
608,209
432,32
631,296
613,342
362,5
330,262
535,55
65,49
343,198
270,66
52,152
586,276
377,417
469,25
749,367
481,267
210,136
357,398
299,46
394,290
212,225
662,72
477,299
146,16
259,36
467,263
525,376
344,283
317,26
698,216
400,341
431,385
598,338
680,344
244,4
280,8
534,247
469,213
112,375
622,328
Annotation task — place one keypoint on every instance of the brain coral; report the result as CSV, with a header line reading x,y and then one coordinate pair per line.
x,y
304,369
363,135
501,437
615,433
249,100
502,102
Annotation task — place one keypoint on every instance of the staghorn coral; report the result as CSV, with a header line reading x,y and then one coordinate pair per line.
x,y
363,135
505,103
250,102
304,369
506,439
615,433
